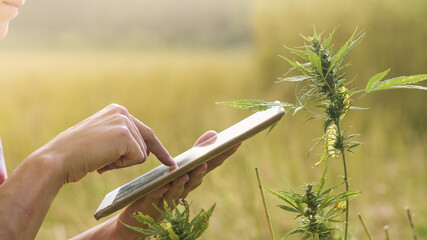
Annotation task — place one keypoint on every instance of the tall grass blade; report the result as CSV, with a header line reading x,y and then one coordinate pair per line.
x,y
267,214
364,226
408,212
387,236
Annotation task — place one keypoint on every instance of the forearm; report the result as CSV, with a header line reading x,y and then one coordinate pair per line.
x,y
27,194
102,231
111,229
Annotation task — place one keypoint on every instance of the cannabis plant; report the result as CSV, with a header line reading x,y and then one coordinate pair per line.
x,y
316,209
322,85
176,224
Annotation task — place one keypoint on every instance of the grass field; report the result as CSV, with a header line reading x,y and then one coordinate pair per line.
x,y
43,93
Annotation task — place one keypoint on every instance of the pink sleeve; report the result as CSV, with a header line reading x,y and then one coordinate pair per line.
x,y
3,172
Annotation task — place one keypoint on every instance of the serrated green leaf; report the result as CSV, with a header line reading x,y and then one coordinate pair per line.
x,y
398,82
246,104
410,87
342,52
137,229
296,231
307,39
293,79
375,79
294,50
290,61
265,106
357,108
315,34
323,178
353,146
172,235
345,196
256,105
351,136
271,128
356,42
283,197
329,39
296,65
289,209
332,213
315,60
176,224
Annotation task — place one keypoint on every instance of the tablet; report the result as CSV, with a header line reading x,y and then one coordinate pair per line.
x,y
190,159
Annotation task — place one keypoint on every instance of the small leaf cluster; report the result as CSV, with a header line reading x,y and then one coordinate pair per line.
x,y
176,224
316,209
323,78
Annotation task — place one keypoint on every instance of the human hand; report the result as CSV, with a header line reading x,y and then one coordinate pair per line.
x,y
171,192
111,138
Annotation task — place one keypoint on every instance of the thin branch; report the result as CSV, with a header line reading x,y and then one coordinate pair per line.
x,y
411,223
387,236
347,187
364,226
267,214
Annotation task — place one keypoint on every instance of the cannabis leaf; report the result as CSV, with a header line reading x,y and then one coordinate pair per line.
x,y
176,224
375,83
256,105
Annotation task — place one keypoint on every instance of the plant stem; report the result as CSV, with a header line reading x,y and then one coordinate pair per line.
x,y
346,189
267,214
364,226
411,223
387,236
337,123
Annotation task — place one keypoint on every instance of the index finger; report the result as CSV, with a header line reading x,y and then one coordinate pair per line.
x,y
153,143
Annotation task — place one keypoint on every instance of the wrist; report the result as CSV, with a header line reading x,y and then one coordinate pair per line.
x,y
121,231
111,229
50,164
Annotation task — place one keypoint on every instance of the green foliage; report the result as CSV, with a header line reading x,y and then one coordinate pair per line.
x,y
176,224
255,105
316,209
375,83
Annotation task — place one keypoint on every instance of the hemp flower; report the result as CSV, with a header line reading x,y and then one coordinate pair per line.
x,y
347,100
341,206
331,140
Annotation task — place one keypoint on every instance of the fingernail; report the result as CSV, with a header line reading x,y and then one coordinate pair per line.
x,y
171,162
173,167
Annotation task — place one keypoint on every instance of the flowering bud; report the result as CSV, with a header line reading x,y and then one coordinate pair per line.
x,y
331,139
347,100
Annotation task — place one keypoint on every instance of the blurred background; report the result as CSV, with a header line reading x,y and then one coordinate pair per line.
x,y
169,61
